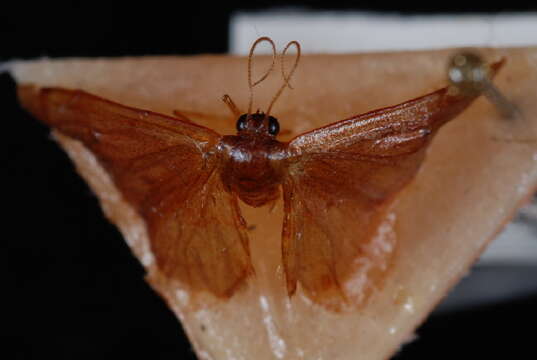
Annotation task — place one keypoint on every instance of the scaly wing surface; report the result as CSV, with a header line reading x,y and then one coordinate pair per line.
x,y
341,180
165,169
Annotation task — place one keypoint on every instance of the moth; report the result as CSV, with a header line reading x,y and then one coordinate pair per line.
x,y
186,180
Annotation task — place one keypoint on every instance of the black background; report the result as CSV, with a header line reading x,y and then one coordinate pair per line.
x,y
71,286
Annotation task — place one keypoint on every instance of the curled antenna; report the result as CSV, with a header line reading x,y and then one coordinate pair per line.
x,y
286,77
251,84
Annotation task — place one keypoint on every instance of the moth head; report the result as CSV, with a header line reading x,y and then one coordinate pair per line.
x,y
261,123
258,124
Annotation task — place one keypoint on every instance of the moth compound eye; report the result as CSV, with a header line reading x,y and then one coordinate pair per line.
x,y
273,126
241,123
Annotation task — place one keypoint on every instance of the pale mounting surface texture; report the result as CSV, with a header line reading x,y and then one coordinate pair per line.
x,y
479,169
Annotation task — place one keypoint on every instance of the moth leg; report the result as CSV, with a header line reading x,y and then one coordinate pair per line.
x,y
203,119
178,114
285,132
231,105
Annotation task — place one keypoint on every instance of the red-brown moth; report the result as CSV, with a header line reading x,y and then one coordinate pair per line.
x,y
185,180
